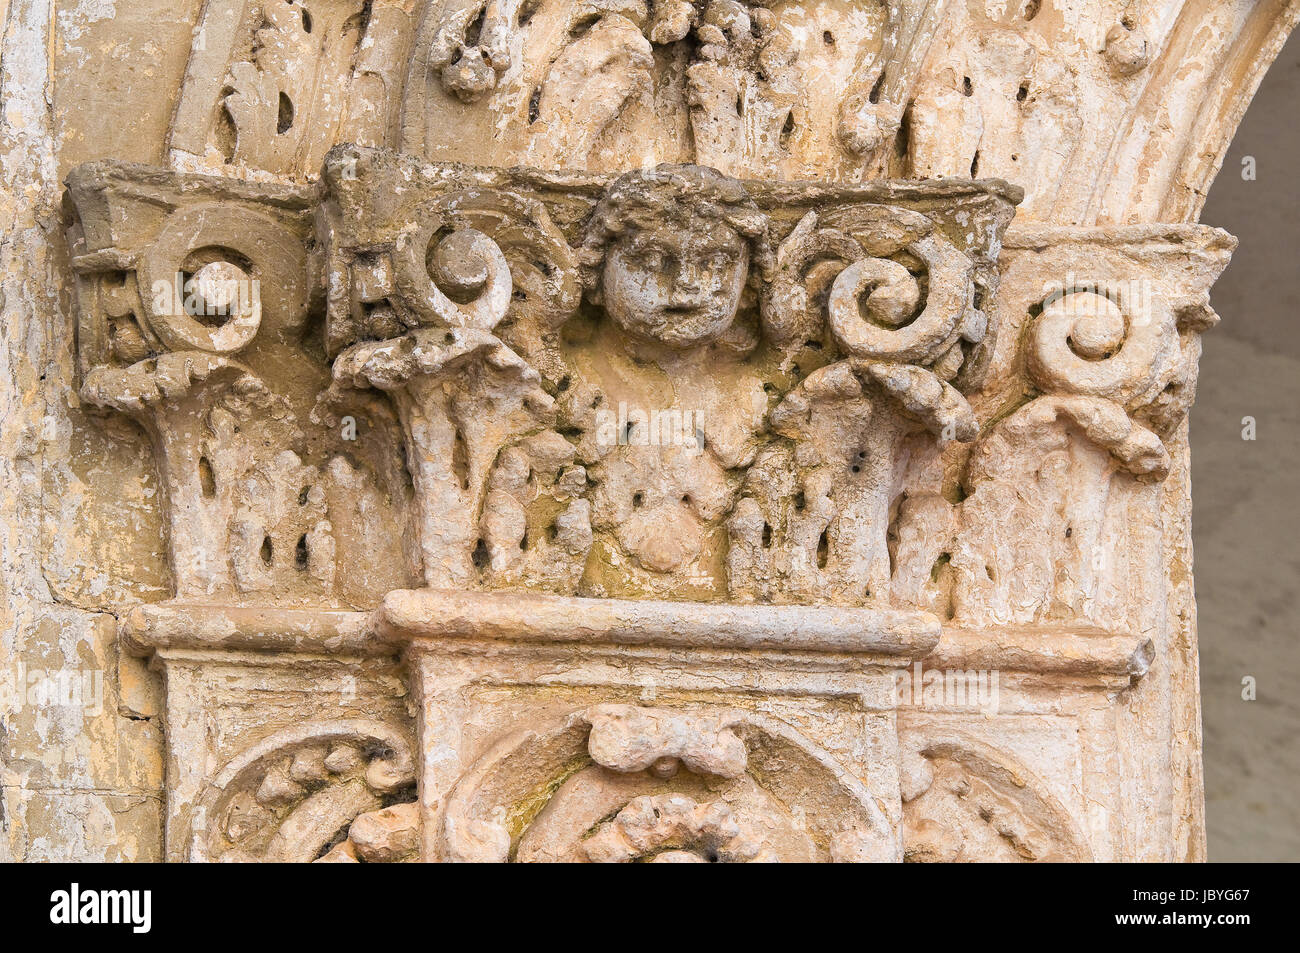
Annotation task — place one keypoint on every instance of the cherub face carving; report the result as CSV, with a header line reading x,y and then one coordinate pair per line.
x,y
680,288
668,253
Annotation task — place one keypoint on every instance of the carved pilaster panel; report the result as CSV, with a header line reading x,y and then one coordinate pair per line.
x,y
688,732
286,755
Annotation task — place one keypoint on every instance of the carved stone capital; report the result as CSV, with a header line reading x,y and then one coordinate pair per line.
x,y
701,478
460,291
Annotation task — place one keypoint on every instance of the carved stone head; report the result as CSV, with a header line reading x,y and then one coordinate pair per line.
x,y
668,252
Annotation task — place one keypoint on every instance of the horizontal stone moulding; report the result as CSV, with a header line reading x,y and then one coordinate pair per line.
x,y
146,629
1045,650
422,616
1153,237
411,616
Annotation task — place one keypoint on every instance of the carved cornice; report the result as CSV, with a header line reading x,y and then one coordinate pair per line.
x,y
1086,653
171,626
425,619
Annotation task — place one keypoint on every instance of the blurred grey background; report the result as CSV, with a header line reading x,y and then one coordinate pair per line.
x,y
1246,495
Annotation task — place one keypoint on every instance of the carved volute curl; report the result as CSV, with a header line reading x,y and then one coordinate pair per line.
x,y
1118,355
413,313
1138,354
900,305
1110,346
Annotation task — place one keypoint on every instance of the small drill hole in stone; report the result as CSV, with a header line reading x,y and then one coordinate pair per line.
x,y
284,119
206,479
787,131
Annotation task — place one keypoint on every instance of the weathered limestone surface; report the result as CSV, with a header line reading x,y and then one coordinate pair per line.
x,y
551,431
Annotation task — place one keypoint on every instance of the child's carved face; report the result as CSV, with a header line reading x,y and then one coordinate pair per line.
x,y
677,283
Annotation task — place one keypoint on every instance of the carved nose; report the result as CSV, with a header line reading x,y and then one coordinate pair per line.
x,y
690,280
688,294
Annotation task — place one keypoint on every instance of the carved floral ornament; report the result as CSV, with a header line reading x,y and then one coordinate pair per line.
x,y
859,383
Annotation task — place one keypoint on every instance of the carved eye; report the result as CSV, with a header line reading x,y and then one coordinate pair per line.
x,y
653,259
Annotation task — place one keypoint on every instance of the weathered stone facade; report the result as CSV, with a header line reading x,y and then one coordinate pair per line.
x,y
566,431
